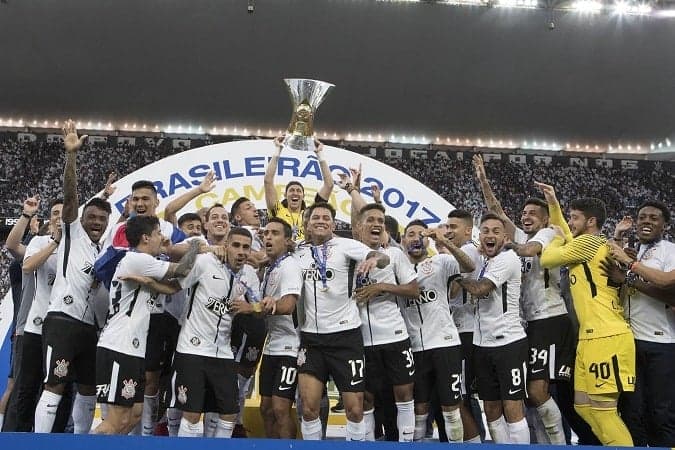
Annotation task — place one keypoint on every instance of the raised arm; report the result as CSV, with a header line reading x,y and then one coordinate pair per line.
x,y
271,197
36,260
489,196
72,144
327,186
175,205
13,242
530,249
555,212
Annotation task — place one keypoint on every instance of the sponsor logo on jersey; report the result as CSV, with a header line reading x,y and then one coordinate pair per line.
x,y
61,369
313,274
182,394
129,389
88,269
426,296
68,299
565,371
219,306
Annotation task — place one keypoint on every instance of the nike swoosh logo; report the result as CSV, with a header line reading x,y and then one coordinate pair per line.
x,y
284,388
218,278
411,373
354,383
537,371
53,406
514,392
601,384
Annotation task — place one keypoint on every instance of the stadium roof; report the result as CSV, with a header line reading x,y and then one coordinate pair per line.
x,y
427,70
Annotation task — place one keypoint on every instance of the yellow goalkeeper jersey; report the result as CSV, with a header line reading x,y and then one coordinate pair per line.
x,y
596,300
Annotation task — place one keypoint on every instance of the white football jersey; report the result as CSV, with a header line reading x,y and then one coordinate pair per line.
x,y
44,280
540,287
651,319
381,319
208,321
126,330
461,307
428,318
331,310
283,337
74,289
175,235
497,316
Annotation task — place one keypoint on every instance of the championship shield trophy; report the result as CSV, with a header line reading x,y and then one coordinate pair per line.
x,y
306,96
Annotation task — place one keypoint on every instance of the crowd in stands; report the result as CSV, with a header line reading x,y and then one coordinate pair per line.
x,y
37,167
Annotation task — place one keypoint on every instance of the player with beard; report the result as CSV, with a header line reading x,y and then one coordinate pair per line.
x,y
120,357
69,329
435,342
290,209
648,412
248,331
499,338
331,343
459,230
204,377
282,284
605,358
388,355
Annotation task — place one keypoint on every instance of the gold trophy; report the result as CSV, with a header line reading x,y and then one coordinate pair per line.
x,y
306,96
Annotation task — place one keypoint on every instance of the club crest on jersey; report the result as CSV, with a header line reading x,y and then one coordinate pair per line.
x,y
182,394
68,299
302,356
313,273
135,343
61,369
218,305
252,353
426,296
195,341
37,321
426,267
129,389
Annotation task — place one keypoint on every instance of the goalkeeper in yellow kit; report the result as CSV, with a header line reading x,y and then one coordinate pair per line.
x,y
605,359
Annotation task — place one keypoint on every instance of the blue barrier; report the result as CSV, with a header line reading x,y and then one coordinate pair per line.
x,y
89,442
5,350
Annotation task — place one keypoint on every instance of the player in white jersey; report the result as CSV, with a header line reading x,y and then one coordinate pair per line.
x,y
120,357
331,341
435,342
500,355
388,355
204,377
282,282
649,412
164,326
39,263
248,331
459,229
550,332
69,329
